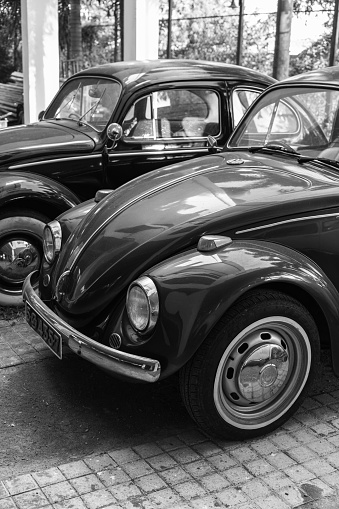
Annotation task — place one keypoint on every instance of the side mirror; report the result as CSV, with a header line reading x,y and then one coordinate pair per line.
x,y
212,144
41,114
114,132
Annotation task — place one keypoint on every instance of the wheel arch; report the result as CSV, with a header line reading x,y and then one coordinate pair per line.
x,y
221,284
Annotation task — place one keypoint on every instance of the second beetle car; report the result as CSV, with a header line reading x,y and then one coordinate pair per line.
x,y
223,268
105,126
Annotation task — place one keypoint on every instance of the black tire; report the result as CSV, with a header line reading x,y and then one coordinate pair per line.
x,y
21,252
254,368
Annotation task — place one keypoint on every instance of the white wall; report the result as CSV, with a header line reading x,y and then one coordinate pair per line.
x,y
141,29
40,48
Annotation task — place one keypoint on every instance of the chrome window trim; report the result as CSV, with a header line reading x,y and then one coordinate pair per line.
x,y
59,160
286,221
159,152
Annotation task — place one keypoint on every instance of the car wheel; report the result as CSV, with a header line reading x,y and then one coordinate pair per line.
x,y
20,251
254,368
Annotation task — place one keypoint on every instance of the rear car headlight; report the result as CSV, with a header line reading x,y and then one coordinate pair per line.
x,y
52,238
142,304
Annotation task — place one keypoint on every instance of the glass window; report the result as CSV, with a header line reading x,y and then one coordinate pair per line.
x,y
241,100
90,100
179,113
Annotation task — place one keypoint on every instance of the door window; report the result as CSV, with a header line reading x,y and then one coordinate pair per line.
x,y
169,114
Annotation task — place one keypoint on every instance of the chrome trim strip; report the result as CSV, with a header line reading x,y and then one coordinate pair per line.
x,y
159,152
286,221
131,202
114,361
60,160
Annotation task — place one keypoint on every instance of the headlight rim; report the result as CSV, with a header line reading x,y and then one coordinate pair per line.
x,y
54,228
149,288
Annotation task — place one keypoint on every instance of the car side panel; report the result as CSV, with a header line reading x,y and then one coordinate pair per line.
x,y
196,289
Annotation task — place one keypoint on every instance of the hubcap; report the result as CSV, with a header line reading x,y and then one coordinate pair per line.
x,y
17,259
262,372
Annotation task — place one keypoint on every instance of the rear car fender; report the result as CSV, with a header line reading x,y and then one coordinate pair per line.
x,y
196,289
19,187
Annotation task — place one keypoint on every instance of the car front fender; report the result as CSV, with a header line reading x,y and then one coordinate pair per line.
x,y
26,187
196,289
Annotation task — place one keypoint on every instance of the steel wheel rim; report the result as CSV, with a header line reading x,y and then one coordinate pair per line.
x,y
251,393
18,258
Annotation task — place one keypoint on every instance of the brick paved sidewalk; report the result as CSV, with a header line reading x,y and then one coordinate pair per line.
x,y
297,466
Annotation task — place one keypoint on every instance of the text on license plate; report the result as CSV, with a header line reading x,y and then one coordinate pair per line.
x,y
51,337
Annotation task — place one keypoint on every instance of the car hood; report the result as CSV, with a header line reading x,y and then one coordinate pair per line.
x,y
44,139
164,212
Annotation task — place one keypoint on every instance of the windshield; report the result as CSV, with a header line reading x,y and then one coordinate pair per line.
x,y
88,100
305,119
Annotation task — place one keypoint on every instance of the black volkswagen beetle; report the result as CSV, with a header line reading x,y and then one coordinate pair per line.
x,y
224,268
105,126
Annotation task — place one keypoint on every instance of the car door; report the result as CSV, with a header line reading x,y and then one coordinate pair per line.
x,y
168,124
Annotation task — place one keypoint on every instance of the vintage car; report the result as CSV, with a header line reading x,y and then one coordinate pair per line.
x,y
223,269
105,126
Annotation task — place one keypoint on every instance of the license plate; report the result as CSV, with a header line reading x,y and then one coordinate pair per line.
x,y
50,336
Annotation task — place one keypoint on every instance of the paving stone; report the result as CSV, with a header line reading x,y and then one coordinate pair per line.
x,y
20,484
331,479
199,468
190,489
86,483
147,450
185,455
264,447
125,491
277,480
259,467
222,461
162,462
174,475
323,429
192,437
7,503
244,454
322,446
3,491
306,418
232,497
122,456
238,475
207,449
214,482
311,403
325,399
291,425
74,469
73,503
319,466
294,496
334,459
272,502
305,436
137,469
316,489
298,473
280,460
152,482
30,500
165,498
49,476
255,488
100,462
113,476
99,499
301,454
168,444
59,492
284,441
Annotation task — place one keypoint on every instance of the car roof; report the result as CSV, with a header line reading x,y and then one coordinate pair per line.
x,y
329,75
139,72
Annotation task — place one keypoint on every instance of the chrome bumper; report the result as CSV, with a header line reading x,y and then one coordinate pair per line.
x,y
114,361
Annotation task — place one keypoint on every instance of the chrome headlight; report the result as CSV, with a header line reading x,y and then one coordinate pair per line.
x,y
52,240
142,304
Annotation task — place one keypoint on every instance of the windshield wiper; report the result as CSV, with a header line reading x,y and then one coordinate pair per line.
x,y
275,146
325,160
69,103
93,107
